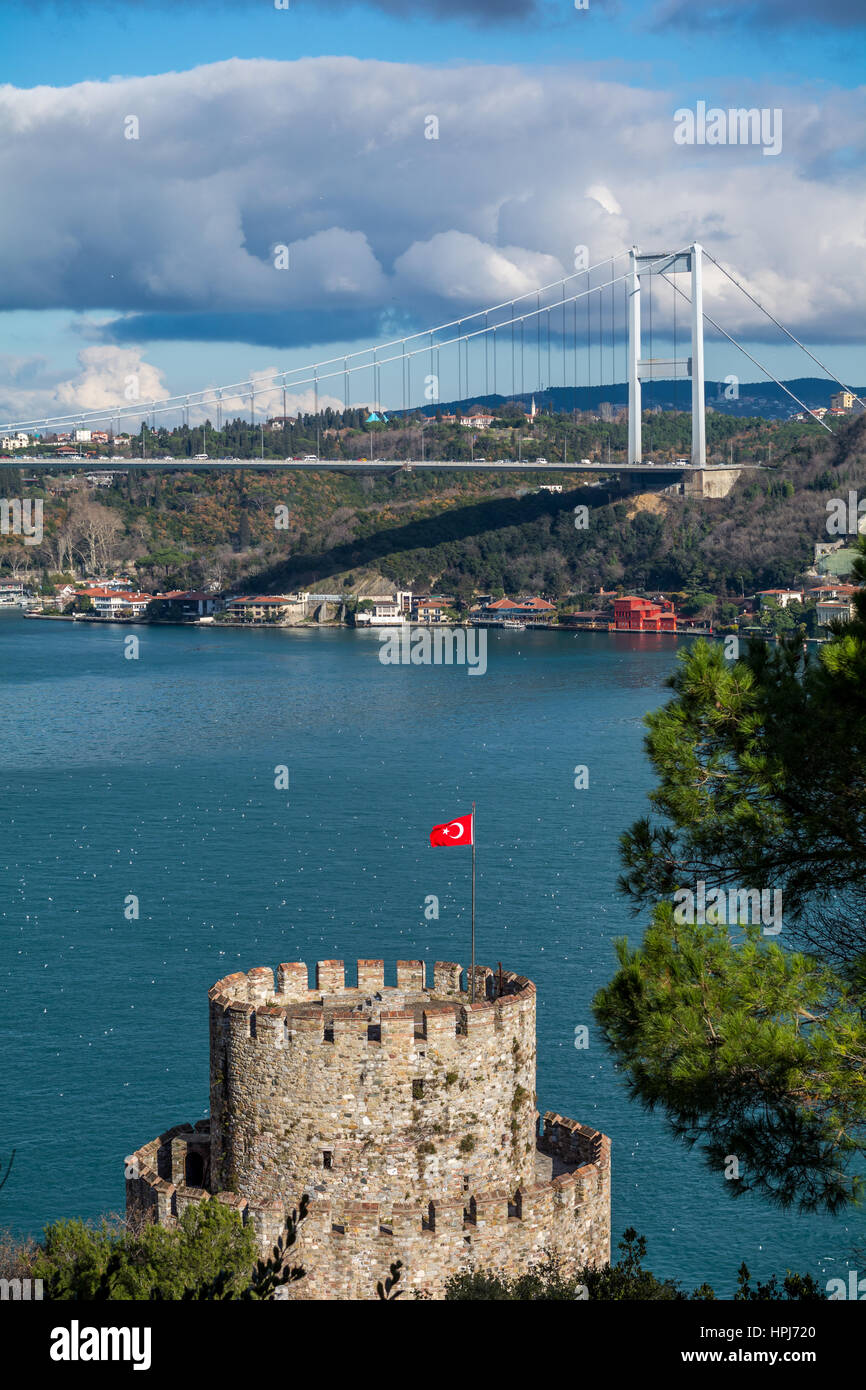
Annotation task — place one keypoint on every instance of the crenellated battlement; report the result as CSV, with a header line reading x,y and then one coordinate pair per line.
x,y
343,1240
290,1012
397,1083
405,1112
296,998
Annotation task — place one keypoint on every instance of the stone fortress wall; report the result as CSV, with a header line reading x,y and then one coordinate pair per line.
x,y
405,1112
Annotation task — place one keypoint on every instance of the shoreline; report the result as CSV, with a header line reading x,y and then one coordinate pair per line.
x,y
330,624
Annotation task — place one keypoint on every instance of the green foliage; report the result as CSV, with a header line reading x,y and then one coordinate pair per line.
x,y
755,1048
800,1288
750,1050
477,532
626,1281
697,603
210,1249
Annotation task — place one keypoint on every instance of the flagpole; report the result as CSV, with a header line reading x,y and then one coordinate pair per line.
x,y
472,987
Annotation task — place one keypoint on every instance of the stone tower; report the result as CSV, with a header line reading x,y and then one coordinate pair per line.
x,y
405,1112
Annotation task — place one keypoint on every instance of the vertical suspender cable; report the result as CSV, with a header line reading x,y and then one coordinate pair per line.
x,y
549,367
486,366
522,382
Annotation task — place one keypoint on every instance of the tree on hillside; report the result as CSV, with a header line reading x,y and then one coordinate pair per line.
x,y
753,1042
96,532
18,559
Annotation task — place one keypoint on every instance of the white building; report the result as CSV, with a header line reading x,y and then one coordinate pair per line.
x,y
833,612
116,603
782,597
390,612
11,593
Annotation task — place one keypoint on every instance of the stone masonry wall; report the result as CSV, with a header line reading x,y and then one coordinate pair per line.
x,y
391,1094
405,1113
345,1247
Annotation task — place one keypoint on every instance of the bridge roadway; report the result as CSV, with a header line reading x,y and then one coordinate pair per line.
x,y
102,465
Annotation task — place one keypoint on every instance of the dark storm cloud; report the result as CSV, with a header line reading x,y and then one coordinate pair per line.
x,y
284,330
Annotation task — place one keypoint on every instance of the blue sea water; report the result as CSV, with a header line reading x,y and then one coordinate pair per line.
x,y
156,777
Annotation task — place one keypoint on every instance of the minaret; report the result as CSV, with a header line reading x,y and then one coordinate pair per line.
x,y
533,412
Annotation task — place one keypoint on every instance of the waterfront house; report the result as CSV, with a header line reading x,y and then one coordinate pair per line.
x,y
109,602
643,615
833,612
193,603
429,610
527,610
589,619
11,593
265,608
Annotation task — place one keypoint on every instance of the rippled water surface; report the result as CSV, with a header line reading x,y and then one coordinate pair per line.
x,y
155,777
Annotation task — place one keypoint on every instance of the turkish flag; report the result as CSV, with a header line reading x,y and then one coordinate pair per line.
x,y
454,832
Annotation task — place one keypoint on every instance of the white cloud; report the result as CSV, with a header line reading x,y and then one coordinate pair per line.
x,y
111,378
457,267
605,199
329,158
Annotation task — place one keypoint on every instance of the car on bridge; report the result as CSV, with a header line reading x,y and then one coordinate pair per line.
x,y
541,460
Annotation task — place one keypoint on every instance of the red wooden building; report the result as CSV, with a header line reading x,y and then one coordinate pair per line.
x,y
643,615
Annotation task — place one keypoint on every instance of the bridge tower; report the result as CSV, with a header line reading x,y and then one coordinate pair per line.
x,y
644,368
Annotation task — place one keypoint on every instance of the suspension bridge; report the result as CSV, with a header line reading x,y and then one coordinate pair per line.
x,y
576,333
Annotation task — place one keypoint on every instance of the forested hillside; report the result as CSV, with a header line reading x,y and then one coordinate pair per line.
x,y
462,533
763,534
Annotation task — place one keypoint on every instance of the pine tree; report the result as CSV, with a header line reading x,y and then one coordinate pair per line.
x,y
753,1045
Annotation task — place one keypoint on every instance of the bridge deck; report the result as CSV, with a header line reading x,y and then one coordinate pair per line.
x,y
102,465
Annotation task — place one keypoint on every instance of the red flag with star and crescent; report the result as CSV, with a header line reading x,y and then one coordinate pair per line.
x,y
453,832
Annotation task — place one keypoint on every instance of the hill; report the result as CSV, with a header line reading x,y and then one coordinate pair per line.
x,y
478,532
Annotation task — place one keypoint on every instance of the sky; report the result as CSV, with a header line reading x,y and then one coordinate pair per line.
x,y
198,194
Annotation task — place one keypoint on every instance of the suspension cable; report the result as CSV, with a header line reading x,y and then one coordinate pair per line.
x,y
758,364
760,306
209,395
